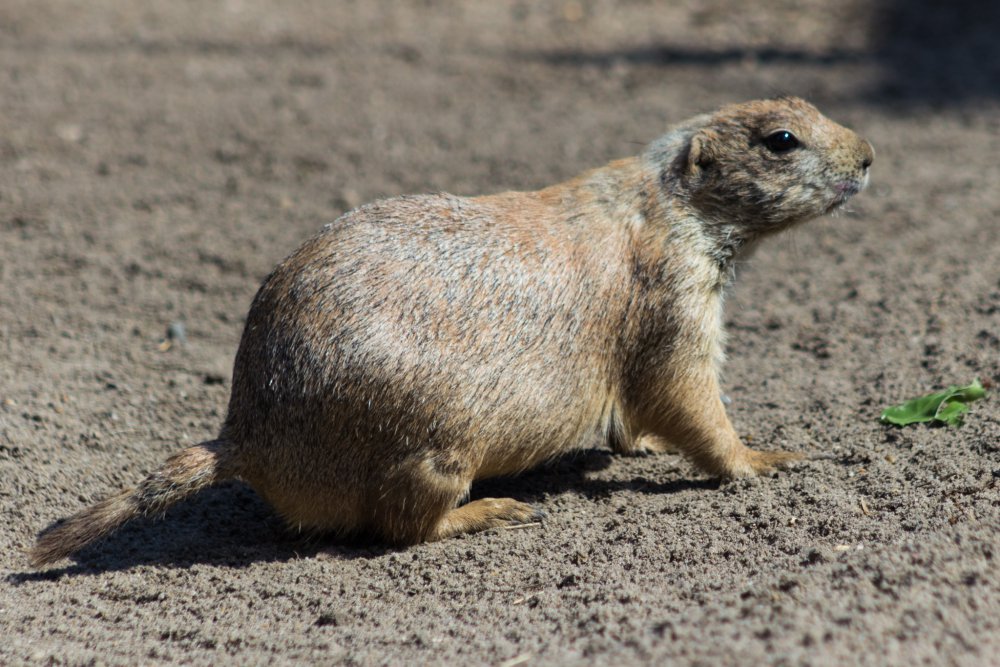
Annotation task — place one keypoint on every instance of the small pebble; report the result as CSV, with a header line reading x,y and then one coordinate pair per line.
x,y
177,333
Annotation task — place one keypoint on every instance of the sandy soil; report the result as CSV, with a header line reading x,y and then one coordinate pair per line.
x,y
156,159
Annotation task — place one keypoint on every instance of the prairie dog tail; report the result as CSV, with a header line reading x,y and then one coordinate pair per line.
x,y
184,473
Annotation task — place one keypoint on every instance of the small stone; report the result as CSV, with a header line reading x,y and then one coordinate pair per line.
x,y
817,554
69,132
177,333
572,12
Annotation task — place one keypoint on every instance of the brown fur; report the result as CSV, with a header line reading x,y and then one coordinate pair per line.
x,y
420,343
184,473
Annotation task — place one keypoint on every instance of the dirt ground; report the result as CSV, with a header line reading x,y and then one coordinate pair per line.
x,y
157,159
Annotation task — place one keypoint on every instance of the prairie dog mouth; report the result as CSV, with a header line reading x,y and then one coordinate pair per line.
x,y
844,190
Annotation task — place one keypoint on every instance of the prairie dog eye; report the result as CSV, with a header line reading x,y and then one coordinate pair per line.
x,y
780,141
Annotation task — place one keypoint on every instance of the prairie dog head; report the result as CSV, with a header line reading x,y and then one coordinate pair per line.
x,y
769,164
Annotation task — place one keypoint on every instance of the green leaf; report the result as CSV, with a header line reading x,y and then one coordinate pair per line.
x,y
946,406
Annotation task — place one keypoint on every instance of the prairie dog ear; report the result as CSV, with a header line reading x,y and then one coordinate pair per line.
x,y
700,152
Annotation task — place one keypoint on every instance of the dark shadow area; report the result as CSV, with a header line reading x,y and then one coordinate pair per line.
x,y
938,51
666,55
231,526
299,48
569,474
226,525
923,52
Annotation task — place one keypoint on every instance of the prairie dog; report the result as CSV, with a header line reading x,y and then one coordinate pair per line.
x,y
420,343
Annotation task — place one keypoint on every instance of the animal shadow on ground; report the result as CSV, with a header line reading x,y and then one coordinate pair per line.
x,y
569,473
231,525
